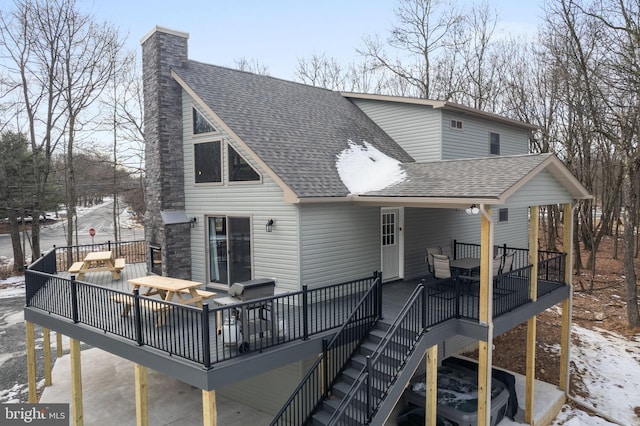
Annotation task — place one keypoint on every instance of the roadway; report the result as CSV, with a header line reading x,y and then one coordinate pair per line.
x,y
99,218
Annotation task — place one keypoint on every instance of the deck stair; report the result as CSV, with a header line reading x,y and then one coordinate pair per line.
x,y
341,389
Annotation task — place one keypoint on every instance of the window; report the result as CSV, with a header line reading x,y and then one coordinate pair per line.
x,y
503,215
200,124
207,162
494,143
239,169
388,229
456,124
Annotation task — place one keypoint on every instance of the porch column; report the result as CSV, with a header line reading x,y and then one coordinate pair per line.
x,y
485,351
431,382
142,405
209,408
31,363
58,344
531,322
47,356
77,413
567,304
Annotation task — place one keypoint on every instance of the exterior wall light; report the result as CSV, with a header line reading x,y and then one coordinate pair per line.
x,y
472,210
269,225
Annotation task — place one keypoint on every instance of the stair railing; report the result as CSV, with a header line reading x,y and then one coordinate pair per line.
x,y
315,386
376,377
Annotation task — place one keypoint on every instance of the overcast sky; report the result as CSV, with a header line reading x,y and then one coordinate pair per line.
x,y
277,32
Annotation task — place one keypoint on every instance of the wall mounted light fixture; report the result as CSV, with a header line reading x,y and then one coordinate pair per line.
x,y
269,225
473,209
193,221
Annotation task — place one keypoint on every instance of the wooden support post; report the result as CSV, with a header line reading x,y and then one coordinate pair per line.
x,y
531,322
47,356
565,334
209,408
431,391
486,317
58,344
534,213
530,371
31,363
483,358
77,413
142,401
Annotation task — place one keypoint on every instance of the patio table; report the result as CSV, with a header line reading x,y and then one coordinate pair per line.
x,y
97,261
465,265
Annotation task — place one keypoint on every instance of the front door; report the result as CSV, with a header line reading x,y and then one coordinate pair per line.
x,y
229,249
391,244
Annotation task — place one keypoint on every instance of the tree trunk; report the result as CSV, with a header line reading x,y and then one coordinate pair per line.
x,y
18,253
633,315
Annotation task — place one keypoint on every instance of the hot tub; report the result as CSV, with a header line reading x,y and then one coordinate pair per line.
x,y
458,396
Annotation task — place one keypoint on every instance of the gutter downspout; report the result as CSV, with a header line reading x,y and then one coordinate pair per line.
x,y
487,385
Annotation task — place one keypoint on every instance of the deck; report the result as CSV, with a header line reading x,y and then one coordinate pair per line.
x,y
283,329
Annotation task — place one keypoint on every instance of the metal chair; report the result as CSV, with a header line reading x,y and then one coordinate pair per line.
x,y
441,266
430,251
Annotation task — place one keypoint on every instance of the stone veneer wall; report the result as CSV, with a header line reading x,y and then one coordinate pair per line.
x,y
162,50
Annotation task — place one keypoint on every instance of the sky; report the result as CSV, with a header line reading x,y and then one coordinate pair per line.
x,y
277,33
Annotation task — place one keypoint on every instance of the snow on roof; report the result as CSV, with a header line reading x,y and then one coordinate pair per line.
x,y
363,168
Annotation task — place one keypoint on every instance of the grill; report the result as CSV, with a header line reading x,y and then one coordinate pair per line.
x,y
248,324
252,289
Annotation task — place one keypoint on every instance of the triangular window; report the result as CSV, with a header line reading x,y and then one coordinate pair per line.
x,y
200,124
239,169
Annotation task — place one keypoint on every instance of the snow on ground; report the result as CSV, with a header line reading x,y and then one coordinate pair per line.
x,y
12,287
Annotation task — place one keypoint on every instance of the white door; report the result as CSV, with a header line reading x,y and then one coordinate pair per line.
x,y
391,244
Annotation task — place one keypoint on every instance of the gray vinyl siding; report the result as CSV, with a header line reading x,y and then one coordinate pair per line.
x,y
416,128
440,227
269,391
473,140
543,189
339,242
275,254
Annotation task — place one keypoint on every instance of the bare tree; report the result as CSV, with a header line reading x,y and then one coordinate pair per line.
x,y
251,65
423,28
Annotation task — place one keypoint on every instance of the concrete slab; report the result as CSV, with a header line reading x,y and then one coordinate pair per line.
x,y
108,395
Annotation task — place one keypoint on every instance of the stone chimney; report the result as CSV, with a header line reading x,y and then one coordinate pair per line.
x,y
167,227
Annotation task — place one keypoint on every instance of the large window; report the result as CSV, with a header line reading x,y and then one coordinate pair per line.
x,y
229,249
200,124
207,160
239,169
494,143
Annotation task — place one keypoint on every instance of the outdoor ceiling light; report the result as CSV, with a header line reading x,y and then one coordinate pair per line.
x,y
269,225
473,209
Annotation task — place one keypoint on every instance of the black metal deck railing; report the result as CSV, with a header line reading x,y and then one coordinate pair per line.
x,y
315,386
550,263
203,335
206,335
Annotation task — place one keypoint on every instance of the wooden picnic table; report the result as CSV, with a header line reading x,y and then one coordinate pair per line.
x,y
170,290
98,261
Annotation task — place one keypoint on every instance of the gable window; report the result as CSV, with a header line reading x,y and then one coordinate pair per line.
x,y
239,169
503,215
200,124
207,160
456,124
494,143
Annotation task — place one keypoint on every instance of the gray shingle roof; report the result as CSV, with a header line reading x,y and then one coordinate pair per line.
x,y
471,178
297,130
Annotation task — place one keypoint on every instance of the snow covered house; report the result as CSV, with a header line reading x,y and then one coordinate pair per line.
x,y
250,176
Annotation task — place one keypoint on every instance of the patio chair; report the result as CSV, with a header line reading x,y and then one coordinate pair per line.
x,y
441,266
507,262
430,251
